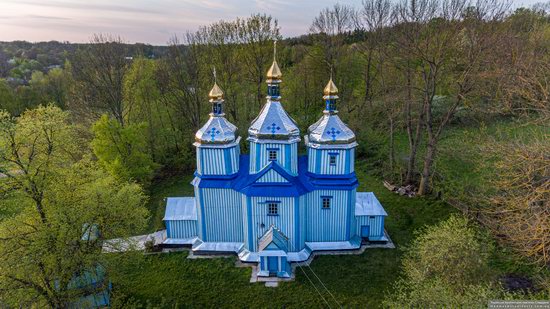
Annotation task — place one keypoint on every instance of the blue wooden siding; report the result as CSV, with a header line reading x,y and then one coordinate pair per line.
x,y
201,227
303,220
222,215
319,161
285,220
287,156
218,161
351,219
272,176
376,225
181,228
247,220
328,224
282,264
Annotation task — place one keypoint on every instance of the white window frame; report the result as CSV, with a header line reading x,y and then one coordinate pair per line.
x,y
272,209
272,155
332,159
326,202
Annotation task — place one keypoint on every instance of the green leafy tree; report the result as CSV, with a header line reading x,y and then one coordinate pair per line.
x,y
7,96
447,265
42,244
51,87
123,150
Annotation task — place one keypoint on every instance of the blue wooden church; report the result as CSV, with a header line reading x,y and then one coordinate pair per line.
x,y
274,207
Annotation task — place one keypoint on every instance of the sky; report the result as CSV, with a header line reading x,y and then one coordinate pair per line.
x,y
147,21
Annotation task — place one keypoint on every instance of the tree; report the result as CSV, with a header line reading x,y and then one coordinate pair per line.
x,y
518,208
31,146
42,244
41,258
51,87
7,97
256,34
122,150
98,70
447,265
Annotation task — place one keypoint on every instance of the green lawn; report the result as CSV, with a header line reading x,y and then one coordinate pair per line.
x,y
354,280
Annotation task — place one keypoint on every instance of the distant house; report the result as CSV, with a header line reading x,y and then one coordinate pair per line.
x,y
91,282
53,66
272,206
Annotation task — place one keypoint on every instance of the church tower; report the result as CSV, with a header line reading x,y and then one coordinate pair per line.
x,y
217,145
330,143
274,135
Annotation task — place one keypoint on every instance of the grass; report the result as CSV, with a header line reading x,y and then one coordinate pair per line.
x,y
355,280
160,190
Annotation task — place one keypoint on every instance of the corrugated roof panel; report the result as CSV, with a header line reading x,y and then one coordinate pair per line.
x,y
367,204
180,208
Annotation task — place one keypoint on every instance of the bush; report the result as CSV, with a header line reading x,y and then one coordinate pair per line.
x,y
447,265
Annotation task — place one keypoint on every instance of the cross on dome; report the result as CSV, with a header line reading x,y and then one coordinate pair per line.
x,y
273,127
333,132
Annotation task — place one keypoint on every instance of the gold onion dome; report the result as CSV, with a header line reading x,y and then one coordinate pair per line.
x,y
330,88
274,71
216,92
330,129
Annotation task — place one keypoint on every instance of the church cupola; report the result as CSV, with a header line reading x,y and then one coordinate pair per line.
x,y
274,78
217,142
217,130
330,96
273,135
329,141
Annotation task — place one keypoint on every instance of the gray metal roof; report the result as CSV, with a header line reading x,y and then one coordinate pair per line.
x,y
180,208
330,129
217,130
273,122
367,204
273,235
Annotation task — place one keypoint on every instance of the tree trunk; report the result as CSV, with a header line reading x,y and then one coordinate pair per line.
x,y
424,186
392,152
413,140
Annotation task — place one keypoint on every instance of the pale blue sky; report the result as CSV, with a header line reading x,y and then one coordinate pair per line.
x,y
149,21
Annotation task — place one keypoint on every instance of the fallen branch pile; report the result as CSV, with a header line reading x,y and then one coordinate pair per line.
x,y
408,190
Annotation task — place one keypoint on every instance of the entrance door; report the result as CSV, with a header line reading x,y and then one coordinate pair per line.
x,y
272,265
365,231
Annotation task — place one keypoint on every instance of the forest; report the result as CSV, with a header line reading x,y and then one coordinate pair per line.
x,y
449,99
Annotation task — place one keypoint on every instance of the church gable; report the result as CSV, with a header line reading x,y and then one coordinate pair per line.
x,y
273,239
272,176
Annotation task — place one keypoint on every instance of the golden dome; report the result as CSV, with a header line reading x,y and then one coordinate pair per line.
x,y
216,93
274,71
330,88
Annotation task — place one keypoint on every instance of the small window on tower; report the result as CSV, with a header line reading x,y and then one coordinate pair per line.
x,y
332,159
272,155
272,209
326,202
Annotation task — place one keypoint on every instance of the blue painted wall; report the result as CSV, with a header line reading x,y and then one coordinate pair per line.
x,y
218,161
376,224
223,217
285,220
287,156
328,224
272,176
181,228
318,162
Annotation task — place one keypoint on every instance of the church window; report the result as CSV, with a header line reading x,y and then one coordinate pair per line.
x,y
272,154
326,202
273,209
